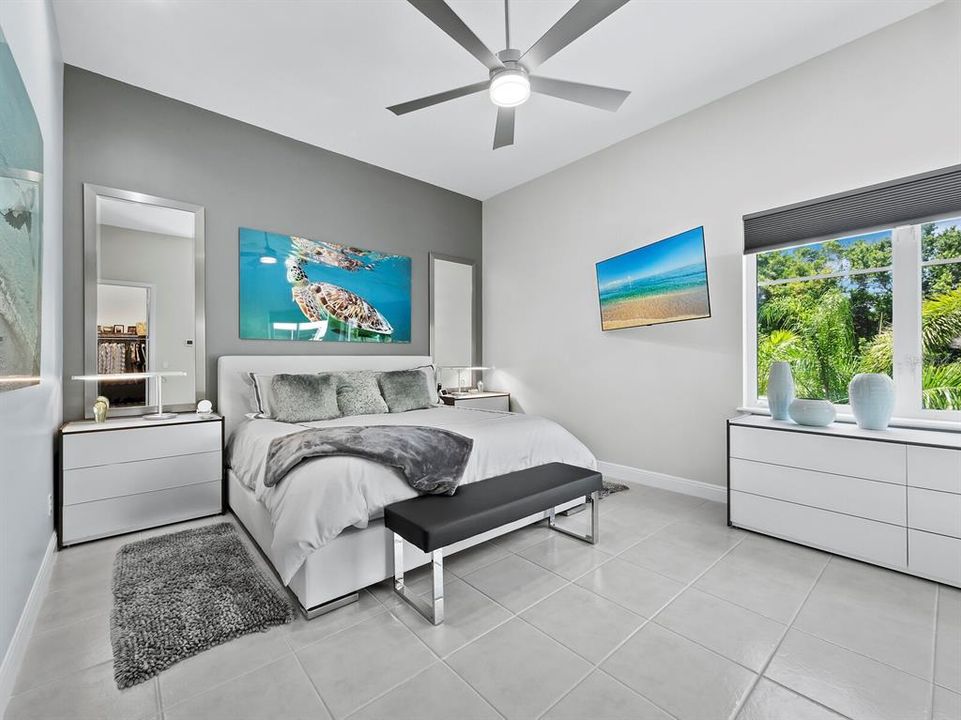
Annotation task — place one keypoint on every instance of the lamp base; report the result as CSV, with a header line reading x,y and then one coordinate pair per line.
x,y
154,417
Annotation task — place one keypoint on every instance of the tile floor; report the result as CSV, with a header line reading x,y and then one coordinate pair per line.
x,y
672,614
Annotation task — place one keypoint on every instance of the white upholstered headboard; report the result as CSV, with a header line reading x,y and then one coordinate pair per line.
x,y
235,396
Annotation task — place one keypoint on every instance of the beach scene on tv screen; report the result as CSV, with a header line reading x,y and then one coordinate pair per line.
x,y
665,281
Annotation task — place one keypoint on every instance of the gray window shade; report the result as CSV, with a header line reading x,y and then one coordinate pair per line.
x,y
909,200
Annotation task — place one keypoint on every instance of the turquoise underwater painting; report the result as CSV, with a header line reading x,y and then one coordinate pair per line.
x,y
21,234
294,288
663,282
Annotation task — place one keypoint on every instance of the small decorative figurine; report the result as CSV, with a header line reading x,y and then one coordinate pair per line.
x,y
204,407
480,386
100,407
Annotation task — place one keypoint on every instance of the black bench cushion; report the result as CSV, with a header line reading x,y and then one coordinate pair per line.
x,y
435,521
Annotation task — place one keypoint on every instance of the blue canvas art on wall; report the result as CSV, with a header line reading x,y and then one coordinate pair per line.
x,y
663,282
21,232
294,288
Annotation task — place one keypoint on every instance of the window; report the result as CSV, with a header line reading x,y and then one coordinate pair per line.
x,y
941,315
855,304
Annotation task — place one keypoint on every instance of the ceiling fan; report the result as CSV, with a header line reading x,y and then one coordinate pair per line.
x,y
511,83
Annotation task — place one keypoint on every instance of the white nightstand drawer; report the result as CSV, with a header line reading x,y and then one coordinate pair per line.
x,y
935,556
498,402
106,481
934,468
852,496
881,461
107,447
863,539
91,520
937,512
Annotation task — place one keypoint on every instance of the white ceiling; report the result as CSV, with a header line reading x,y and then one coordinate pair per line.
x,y
146,218
323,71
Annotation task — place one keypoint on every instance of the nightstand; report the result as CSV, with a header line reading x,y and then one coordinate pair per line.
x,y
129,474
479,400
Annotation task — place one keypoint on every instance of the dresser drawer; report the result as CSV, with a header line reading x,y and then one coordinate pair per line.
x,y
934,511
91,520
839,493
882,461
106,447
106,481
934,468
863,539
935,556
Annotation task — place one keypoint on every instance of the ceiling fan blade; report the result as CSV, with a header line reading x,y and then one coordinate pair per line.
x,y
421,103
593,95
576,21
504,128
441,14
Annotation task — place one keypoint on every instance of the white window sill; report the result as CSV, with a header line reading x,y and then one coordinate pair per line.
x,y
916,423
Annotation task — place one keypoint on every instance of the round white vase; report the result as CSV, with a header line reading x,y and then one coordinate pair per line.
x,y
872,400
780,390
816,413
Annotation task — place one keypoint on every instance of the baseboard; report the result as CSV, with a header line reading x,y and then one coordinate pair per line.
x,y
698,488
28,618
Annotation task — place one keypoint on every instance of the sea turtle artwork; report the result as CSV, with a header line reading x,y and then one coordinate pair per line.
x,y
318,300
296,288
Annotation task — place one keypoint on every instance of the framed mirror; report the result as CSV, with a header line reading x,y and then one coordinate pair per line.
x,y
143,299
453,308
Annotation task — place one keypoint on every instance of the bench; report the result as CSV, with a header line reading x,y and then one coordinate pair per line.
x,y
434,522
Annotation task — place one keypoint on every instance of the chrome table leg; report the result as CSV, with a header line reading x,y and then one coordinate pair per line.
x,y
434,610
590,537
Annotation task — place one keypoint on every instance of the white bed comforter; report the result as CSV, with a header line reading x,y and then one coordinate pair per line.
x,y
323,496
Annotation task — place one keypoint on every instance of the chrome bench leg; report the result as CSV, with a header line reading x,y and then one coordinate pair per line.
x,y
434,610
590,537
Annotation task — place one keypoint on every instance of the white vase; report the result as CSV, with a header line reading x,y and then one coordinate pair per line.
x,y
780,390
872,400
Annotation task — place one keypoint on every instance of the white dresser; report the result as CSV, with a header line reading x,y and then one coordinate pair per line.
x,y
129,474
892,498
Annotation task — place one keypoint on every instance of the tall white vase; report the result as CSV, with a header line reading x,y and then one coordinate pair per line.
x,y
780,390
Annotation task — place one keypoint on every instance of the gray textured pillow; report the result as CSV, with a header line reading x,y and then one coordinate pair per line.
x,y
405,390
303,398
359,394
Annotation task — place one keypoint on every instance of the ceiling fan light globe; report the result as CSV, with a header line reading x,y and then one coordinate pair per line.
x,y
510,88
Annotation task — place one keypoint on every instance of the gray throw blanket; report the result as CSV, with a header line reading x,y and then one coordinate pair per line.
x,y
431,459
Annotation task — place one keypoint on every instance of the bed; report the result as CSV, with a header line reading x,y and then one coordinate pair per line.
x,y
322,527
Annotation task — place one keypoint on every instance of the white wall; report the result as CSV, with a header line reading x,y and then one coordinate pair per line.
x,y
167,264
29,418
884,106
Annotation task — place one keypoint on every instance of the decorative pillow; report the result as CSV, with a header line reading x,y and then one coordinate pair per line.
x,y
261,387
405,390
304,398
431,374
359,394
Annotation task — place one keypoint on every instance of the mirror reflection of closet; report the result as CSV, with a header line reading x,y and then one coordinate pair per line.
x,y
453,301
144,295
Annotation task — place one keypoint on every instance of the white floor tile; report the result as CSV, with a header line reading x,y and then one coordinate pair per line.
x,y
601,697
518,669
515,583
851,684
770,701
638,589
359,663
730,630
685,679
435,694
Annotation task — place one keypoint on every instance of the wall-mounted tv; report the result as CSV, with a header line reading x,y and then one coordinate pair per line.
x,y
663,282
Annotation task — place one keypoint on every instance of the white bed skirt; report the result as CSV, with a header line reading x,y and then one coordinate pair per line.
x,y
353,560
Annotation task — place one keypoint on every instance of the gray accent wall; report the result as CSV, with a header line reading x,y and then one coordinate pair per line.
x,y
121,136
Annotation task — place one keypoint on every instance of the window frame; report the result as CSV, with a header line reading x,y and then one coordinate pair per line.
x,y
906,268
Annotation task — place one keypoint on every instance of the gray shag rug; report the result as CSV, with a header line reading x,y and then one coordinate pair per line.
x,y
612,487
179,594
